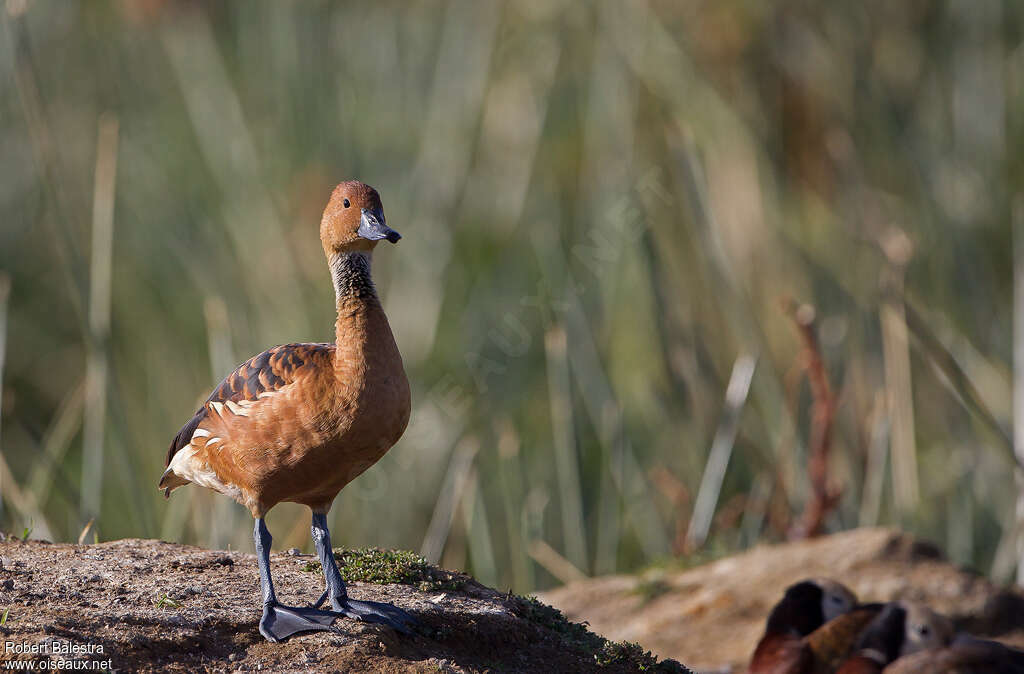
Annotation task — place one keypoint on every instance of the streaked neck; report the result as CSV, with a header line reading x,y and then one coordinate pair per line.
x,y
351,275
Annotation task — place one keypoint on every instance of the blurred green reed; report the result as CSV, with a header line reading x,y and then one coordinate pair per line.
x,y
602,207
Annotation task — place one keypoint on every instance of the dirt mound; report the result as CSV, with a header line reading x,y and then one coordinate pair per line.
x,y
711,617
140,605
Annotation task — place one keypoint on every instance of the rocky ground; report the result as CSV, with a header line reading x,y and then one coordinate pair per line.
x,y
710,617
141,605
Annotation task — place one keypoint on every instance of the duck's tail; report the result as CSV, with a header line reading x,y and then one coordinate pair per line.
x,y
171,481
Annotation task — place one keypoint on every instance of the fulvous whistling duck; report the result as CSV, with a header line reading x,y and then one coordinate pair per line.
x,y
300,421
908,637
811,629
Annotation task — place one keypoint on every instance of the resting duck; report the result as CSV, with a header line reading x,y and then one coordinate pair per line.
x,y
908,637
902,628
812,629
300,421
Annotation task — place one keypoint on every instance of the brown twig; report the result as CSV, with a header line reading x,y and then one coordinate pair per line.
x,y
824,497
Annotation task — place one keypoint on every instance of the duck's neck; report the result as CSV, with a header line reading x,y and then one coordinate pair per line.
x,y
352,281
357,303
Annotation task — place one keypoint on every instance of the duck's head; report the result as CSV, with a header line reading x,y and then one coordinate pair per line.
x,y
902,628
354,220
924,629
836,598
808,605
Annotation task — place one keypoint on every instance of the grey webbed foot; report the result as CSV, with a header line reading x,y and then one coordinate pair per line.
x,y
376,612
280,622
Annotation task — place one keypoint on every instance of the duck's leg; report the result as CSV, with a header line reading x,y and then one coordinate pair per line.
x,y
279,621
368,611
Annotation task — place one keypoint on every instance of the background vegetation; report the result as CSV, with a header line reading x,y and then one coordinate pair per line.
x,y
607,209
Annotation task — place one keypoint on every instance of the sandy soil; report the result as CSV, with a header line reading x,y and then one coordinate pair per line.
x,y
711,617
141,605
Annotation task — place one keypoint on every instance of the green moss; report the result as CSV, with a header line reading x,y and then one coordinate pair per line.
x,y
612,654
539,613
373,565
633,656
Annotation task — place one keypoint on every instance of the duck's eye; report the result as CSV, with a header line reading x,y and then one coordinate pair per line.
x,y
346,203
924,630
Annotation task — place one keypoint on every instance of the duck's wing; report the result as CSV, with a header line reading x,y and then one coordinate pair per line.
x,y
263,375
780,654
